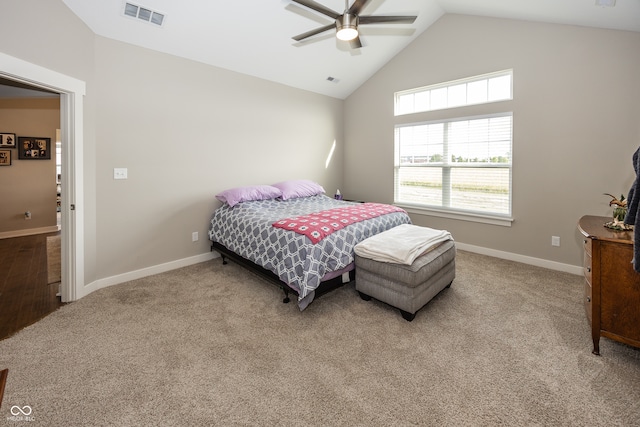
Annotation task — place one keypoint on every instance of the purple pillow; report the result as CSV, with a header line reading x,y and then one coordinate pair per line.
x,y
299,188
233,196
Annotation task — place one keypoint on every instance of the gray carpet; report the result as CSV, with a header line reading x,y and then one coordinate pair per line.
x,y
507,344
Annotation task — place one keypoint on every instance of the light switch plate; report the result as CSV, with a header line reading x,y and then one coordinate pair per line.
x,y
119,173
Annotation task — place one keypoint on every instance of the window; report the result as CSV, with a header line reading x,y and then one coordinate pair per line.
x,y
459,165
482,89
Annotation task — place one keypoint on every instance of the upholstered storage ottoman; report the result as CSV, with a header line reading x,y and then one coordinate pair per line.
x,y
407,287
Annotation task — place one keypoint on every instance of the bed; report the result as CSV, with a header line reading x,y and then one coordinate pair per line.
x,y
243,230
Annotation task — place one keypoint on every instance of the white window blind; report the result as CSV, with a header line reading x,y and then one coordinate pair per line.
x,y
460,164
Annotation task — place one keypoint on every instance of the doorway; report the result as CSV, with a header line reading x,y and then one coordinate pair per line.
x,y
30,279
71,93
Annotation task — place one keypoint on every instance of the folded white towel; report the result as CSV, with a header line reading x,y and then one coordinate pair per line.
x,y
401,244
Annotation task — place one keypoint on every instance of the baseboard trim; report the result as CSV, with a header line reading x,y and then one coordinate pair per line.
x,y
145,272
28,232
539,262
185,262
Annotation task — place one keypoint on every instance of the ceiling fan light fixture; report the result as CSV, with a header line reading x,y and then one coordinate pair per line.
x,y
347,27
347,34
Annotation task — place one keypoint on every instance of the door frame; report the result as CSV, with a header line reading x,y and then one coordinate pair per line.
x,y
72,93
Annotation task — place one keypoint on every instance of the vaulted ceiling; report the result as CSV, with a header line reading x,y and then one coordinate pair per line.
x,y
254,37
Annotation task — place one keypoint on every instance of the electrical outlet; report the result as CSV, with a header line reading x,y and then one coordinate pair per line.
x,y
27,215
555,240
120,173
194,236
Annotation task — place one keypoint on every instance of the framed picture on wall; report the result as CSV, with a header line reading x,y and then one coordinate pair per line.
x,y
32,148
5,157
7,140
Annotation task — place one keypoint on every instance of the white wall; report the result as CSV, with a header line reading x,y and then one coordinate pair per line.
x,y
187,131
576,116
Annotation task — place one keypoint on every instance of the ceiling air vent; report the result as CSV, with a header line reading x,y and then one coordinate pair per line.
x,y
143,14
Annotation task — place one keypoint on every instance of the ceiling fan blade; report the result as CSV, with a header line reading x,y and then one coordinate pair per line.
x,y
386,19
318,8
303,36
355,43
357,6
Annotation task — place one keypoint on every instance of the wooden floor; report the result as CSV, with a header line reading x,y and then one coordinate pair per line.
x,y
25,296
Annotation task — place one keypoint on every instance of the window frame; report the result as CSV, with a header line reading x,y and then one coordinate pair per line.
x,y
484,108
397,109
494,218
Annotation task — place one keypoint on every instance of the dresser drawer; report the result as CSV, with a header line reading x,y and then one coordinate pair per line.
x,y
587,245
587,263
587,301
587,267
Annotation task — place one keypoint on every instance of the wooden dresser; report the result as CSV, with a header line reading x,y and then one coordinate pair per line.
x,y
612,286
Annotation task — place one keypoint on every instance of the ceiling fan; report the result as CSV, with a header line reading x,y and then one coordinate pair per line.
x,y
346,24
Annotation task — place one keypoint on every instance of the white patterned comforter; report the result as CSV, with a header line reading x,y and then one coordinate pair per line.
x,y
247,230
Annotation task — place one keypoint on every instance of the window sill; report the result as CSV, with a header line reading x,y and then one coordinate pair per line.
x,y
462,216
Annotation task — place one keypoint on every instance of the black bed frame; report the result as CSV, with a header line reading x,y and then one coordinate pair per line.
x,y
269,276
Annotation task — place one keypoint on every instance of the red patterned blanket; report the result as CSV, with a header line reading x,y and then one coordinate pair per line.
x,y
317,226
